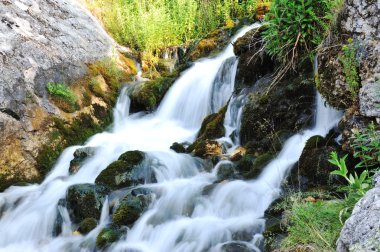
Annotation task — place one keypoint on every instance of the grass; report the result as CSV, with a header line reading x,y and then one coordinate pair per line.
x,y
151,25
316,226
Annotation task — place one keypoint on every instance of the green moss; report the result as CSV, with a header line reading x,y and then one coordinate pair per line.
x,y
96,88
87,225
212,126
177,147
63,97
65,134
315,142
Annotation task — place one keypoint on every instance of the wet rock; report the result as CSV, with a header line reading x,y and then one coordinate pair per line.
x,y
87,225
269,118
254,62
206,148
177,147
361,231
79,156
85,201
236,247
130,209
129,170
238,154
369,98
250,167
226,171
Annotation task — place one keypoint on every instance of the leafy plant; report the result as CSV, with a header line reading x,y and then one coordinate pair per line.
x,y
366,144
350,64
358,184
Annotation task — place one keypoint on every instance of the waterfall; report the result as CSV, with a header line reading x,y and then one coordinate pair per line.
x,y
191,213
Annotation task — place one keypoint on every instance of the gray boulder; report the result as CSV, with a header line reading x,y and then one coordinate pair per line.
x,y
361,232
370,100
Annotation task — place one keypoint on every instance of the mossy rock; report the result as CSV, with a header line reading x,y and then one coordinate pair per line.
x,y
132,157
254,62
85,201
130,209
80,155
108,236
315,142
288,109
212,126
205,148
177,147
250,167
147,96
87,225
128,171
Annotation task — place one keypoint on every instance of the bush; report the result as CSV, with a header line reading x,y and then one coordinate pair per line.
x,y
350,64
296,27
64,98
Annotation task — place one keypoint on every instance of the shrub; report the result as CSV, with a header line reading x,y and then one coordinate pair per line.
x,y
296,27
350,64
63,96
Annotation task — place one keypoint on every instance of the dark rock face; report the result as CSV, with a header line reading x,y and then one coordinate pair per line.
x,y
85,201
254,62
129,170
177,147
268,119
79,156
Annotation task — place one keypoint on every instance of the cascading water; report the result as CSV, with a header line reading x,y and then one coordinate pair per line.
x,y
191,213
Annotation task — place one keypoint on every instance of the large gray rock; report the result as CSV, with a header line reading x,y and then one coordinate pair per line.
x,y
361,232
45,41
41,41
370,100
359,20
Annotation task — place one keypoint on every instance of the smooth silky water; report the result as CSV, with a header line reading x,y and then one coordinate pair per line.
x,y
183,218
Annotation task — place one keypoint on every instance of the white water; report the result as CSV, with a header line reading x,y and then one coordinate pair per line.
x,y
183,218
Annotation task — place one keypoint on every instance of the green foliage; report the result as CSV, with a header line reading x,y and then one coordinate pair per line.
x,y
357,184
366,144
66,99
316,225
296,27
350,64
150,25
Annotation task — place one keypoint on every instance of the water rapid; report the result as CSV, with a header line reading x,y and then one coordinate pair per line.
x,y
190,213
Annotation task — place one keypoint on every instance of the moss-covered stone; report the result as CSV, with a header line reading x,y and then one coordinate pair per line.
x,y
250,167
287,109
85,201
130,209
132,157
147,96
212,43
205,148
108,236
212,126
129,170
87,225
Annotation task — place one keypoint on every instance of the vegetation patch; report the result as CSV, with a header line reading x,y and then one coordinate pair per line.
x,y
63,97
350,65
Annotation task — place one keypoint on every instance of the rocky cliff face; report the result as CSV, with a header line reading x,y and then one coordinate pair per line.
x,y
40,42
